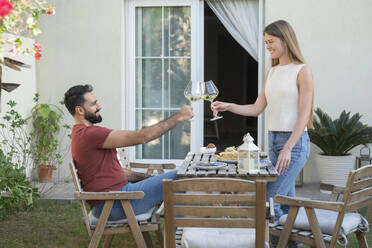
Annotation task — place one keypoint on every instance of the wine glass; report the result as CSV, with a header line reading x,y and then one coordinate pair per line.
x,y
193,91
210,92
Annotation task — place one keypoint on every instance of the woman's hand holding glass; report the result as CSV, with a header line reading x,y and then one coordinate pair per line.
x,y
209,93
220,107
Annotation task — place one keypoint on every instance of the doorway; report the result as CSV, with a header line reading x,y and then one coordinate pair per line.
x,y
235,74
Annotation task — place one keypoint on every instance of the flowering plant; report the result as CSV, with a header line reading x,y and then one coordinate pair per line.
x,y
20,17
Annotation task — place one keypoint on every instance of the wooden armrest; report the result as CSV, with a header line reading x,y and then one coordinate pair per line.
x,y
330,187
305,202
112,195
153,166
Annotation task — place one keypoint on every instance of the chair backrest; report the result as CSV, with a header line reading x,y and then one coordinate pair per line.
x,y
234,203
358,192
79,188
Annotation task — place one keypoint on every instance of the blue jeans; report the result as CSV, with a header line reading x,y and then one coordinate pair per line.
x,y
285,183
153,189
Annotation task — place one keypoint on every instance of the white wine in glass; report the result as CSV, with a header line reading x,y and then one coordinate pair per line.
x,y
193,91
210,92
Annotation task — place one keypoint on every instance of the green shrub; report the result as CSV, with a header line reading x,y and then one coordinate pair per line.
x,y
16,192
337,137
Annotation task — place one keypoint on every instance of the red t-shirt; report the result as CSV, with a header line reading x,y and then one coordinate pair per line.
x,y
99,169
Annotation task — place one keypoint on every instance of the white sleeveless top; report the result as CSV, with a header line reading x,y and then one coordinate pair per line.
x,y
282,97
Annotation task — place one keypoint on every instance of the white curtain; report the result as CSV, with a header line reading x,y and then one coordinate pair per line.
x,y
240,18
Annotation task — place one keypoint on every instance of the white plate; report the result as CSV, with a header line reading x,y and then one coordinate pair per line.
x,y
228,161
263,164
209,166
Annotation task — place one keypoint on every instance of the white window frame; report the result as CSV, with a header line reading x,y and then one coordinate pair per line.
x,y
197,68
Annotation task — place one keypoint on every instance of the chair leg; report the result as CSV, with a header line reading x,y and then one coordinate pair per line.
x,y
159,235
108,240
284,238
133,224
314,225
146,236
362,241
97,234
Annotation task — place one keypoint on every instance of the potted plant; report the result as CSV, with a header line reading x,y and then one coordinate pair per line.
x,y
46,124
336,138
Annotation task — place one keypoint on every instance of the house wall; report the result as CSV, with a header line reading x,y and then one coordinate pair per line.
x,y
82,43
335,40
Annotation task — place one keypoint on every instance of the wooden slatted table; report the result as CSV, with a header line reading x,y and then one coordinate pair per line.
x,y
187,171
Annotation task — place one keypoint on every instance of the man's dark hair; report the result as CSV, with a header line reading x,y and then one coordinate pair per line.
x,y
75,96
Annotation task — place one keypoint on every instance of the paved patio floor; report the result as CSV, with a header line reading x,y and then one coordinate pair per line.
x,y
65,191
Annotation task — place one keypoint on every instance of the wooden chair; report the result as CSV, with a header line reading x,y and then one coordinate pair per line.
x,y
139,225
245,210
325,223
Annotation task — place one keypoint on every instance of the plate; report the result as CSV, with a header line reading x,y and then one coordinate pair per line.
x,y
228,161
209,166
263,163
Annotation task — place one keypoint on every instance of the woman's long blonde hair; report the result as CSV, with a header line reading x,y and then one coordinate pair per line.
x,y
284,31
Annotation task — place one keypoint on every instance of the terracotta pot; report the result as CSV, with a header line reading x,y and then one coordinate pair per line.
x,y
45,173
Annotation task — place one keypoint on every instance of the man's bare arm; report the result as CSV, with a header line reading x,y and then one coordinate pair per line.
x,y
123,138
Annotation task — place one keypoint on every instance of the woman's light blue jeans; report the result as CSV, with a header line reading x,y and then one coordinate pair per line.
x,y
153,189
285,183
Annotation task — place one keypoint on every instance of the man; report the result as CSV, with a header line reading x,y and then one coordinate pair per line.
x,y
94,152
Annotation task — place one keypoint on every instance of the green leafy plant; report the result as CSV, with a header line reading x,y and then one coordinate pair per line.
x,y
15,137
16,191
46,124
337,137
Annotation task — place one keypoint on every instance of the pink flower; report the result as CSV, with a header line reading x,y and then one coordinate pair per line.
x,y
5,8
37,47
51,11
13,51
37,55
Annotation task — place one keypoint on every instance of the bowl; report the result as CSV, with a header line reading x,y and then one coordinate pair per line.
x,y
205,150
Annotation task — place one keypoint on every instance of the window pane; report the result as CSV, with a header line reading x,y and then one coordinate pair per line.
x,y
177,76
149,83
177,31
177,141
148,31
152,149
163,69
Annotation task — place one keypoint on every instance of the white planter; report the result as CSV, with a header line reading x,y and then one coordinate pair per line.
x,y
334,169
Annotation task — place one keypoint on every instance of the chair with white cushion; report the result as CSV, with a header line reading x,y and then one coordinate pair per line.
x,y
326,223
234,215
139,225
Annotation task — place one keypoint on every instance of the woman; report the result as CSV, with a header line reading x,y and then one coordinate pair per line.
x,y
288,98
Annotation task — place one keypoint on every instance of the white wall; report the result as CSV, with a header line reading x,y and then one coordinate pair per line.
x,y
24,94
82,44
335,38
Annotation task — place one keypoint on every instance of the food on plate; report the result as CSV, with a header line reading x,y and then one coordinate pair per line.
x,y
228,156
230,149
211,145
208,150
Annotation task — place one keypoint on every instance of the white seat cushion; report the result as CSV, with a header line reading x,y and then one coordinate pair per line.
x,y
218,237
113,223
327,221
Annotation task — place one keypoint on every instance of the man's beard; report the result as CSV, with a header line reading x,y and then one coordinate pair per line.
x,y
92,117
